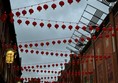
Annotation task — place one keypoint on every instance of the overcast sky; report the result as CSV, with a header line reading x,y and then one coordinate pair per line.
x,y
69,13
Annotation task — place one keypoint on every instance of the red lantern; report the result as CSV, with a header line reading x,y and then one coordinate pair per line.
x,y
104,29
90,28
61,54
51,53
61,3
77,1
47,43
53,5
32,51
21,50
40,66
100,36
37,52
45,72
27,22
110,29
63,26
18,14
94,37
42,52
56,26
49,25
45,6
48,65
61,64
56,64
107,36
113,34
66,55
56,54
70,27
48,71
42,44
69,41
32,67
47,53
19,21
58,41
88,38
36,44
76,40
37,66
70,1
30,45
31,11
24,12
64,41
37,71
84,28
34,23
20,46
33,70
11,14
11,20
39,8
77,27
41,24
29,70
116,28
26,51
53,42
52,65
97,29
82,39
44,66
25,45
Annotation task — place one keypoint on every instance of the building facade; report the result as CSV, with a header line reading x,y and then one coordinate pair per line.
x,y
8,41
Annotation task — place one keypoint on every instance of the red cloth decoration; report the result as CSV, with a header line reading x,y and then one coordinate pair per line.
x,y
19,21
31,11
45,6
61,3
53,5
39,8
27,22
24,12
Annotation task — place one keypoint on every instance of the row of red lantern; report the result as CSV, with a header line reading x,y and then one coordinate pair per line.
x,y
45,6
81,39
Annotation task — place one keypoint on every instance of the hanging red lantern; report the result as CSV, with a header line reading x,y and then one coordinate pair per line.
x,y
90,28
70,1
39,8
17,13
33,70
53,5
27,22
48,65
61,54
31,11
46,53
82,39
44,66
53,42
56,26
30,45
94,37
77,27
70,27
63,26
64,41
107,36
24,12
11,20
41,24
28,67
61,64
42,44
51,53
32,51
97,28
36,44
45,72
76,40
40,66
61,3
55,72
20,46
58,41
88,38
37,66
42,52
116,28
11,14
66,55
113,34
84,28
47,43
110,28
34,23
37,71
19,21
100,36
104,28
52,65
21,50
52,72
45,6
69,41
56,64
77,1
32,67
37,52
56,54
49,25
48,71
29,70
25,67
26,51
25,45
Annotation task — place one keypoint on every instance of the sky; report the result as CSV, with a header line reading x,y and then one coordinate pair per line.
x,y
30,34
